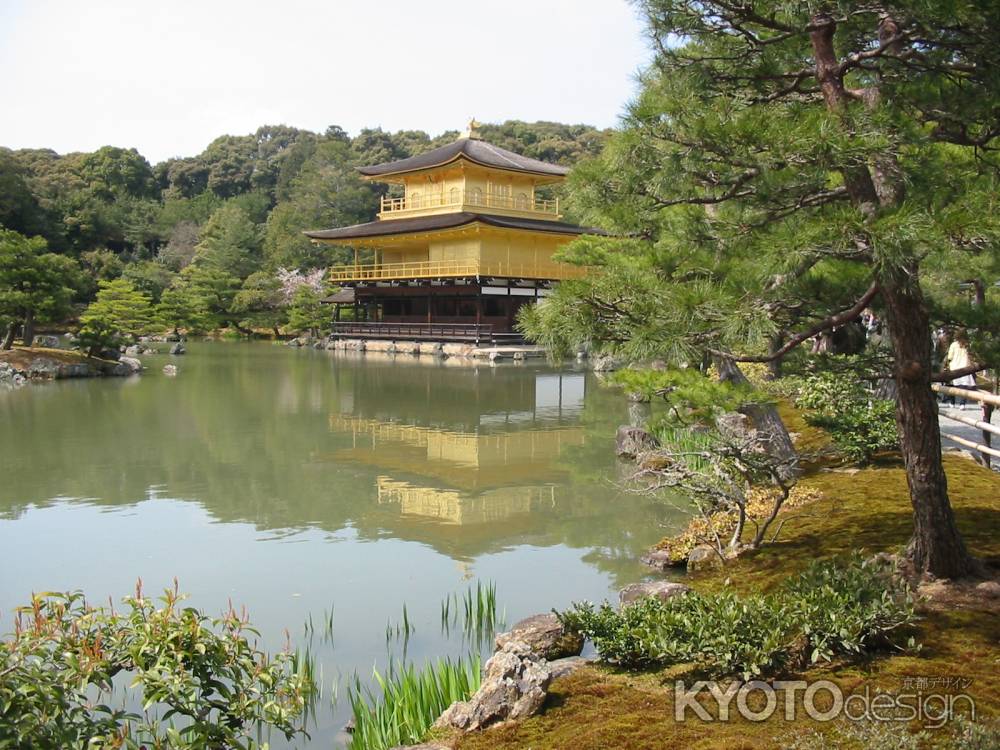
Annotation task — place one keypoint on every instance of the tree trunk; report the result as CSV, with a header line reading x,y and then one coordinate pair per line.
x,y
8,339
774,365
28,335
936,546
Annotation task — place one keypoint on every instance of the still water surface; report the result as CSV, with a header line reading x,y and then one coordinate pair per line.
x,y
299,482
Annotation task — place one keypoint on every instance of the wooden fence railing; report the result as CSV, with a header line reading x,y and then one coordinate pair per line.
x,y
989,402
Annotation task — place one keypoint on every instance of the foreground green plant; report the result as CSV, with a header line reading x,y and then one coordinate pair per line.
x,y
833,608
409,701
199,683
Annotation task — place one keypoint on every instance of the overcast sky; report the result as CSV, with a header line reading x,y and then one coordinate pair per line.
x,y
168,77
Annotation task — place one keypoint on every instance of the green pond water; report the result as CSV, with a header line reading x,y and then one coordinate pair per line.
x,y
297,481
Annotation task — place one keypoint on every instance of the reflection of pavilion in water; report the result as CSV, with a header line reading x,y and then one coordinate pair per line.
x,y
472,465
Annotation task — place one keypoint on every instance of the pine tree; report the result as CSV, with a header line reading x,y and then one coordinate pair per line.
x,y
307,312
785,167
119,307
35,285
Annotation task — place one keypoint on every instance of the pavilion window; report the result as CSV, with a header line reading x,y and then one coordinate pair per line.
x,y
492,307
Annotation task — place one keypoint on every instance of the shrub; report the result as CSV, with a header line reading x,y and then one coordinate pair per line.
x,y
860,424
846,607
201,684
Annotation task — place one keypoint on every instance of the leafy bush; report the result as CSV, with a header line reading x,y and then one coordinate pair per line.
x,y
201,683
410,701
721,633
847,609
836,607
859,423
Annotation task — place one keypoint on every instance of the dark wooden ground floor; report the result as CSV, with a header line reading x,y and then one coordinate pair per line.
x,y
445,312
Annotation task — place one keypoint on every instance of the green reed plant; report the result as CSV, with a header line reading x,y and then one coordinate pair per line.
x,y
407,700
475,612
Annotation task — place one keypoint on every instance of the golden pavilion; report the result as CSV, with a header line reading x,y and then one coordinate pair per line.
x,y
466,246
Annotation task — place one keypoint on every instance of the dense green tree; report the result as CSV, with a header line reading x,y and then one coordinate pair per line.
x,y
181,306
230,242
149,276
230,162
777,144
260,302
327,192
19,208
307,312
119,307
214,290
113,172
35,286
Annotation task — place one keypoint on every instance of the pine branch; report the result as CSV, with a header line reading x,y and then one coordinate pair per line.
x,y
838,319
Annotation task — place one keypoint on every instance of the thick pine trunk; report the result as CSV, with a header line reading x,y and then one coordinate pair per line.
x,y
936,546
8,339
29,328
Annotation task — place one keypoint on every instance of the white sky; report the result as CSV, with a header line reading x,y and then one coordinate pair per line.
x,y
169,76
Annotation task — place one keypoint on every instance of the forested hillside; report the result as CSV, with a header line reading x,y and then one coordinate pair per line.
x,y
220,232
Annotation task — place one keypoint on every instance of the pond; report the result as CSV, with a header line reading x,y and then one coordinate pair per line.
x,y
300,483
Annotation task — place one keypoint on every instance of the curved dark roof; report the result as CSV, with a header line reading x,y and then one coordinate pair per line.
x,y
391,227
472,149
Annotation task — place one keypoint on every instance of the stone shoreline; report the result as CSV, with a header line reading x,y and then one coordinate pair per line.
x,y
425,348
19,366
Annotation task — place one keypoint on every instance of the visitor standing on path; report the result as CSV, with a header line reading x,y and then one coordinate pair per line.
x,y
957,358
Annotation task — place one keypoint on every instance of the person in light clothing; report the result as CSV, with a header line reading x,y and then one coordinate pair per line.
x,y
957,358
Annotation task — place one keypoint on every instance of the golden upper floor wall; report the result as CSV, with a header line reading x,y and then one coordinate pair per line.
x,y
463,186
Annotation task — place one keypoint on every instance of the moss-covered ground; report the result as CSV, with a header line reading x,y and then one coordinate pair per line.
x,y
600,707
21,357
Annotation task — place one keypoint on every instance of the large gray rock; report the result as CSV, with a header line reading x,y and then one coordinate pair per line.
x,y
703,557
170,370
631,442
660,589
544,635
567,665
10,376
133,351
178,349
47,342
989,589
606,363
659,559
43,368
514,686
131,364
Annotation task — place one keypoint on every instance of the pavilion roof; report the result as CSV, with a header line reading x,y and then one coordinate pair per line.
x,y
473,149
446,221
